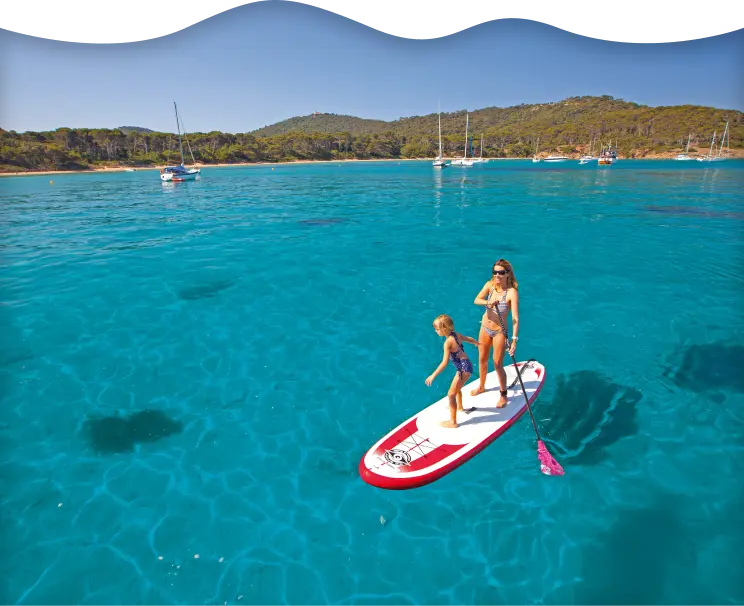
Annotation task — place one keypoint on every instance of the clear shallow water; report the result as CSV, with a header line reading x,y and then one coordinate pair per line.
x,y
198,368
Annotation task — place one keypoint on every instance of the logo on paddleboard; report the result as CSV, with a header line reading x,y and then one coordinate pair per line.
x,y
397,457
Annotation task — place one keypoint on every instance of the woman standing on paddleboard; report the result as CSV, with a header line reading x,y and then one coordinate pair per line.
x,y
498,295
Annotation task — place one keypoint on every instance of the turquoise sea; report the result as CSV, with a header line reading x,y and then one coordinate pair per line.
x,y
190,374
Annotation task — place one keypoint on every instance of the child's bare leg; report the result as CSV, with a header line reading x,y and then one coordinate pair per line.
x,y
456,386
459,397
453,412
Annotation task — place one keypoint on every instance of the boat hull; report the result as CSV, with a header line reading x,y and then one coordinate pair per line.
x,y
179,177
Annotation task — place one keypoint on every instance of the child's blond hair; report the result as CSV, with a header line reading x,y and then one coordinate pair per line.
x,y
444,322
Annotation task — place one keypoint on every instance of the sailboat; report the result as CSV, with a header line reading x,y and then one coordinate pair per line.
x,y
464,161
439,160
586,158
684,156
480,159
180,172
536,158
718,157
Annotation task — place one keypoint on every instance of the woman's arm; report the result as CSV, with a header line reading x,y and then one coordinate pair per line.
x,y
515,314
515,322
482,298
442,364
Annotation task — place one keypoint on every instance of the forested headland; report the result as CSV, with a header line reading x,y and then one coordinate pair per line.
x,y
566,127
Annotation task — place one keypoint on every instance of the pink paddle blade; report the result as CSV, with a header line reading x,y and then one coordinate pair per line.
x,y
548,465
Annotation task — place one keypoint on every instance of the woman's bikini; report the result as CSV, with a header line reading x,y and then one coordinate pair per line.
x,y
501,309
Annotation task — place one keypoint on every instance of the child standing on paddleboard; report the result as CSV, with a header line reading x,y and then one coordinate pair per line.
x,y
445,327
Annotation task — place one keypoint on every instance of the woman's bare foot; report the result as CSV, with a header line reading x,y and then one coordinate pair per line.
x,y
479,390
448,424
502,402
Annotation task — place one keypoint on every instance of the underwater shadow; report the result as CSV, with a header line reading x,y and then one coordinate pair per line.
x,y
692,211
731,582
709,367
323,222
204,291
590,413
643,555
114,434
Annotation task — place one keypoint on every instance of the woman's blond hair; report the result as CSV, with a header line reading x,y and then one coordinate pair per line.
x,y
444,322
511,280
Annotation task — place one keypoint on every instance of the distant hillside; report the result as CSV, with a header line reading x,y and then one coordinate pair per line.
x,y
323,123
572,121
134,129
566,127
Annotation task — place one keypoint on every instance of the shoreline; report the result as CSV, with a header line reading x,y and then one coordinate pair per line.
x,y
121,169
738,155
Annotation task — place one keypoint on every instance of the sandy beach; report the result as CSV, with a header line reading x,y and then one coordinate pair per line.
x,y
120,169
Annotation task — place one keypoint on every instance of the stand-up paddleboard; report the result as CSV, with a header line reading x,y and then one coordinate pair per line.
x,y
420,450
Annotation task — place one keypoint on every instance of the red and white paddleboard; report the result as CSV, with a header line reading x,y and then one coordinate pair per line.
x,y
420,450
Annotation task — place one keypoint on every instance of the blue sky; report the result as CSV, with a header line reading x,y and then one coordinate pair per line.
x,y
265,62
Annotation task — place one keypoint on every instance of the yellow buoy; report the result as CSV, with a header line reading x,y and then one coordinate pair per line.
x,y
272,169
51,182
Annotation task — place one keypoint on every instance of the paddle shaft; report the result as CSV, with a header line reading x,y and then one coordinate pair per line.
x,y
519,376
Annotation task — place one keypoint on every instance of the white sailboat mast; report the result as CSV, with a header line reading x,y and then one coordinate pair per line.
x,y
723,139
178,126
440,133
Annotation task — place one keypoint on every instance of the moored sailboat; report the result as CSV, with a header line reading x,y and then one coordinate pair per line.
x,y
716,155
683,157
180,172
439,160
586,158
464,161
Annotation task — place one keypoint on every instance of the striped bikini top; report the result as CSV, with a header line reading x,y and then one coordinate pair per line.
x,y
501,306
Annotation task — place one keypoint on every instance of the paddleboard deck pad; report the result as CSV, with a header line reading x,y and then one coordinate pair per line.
x,y
420,450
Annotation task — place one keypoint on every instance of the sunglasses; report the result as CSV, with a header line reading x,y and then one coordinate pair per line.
x,y
500,272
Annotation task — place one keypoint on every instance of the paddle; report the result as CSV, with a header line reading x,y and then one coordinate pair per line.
x,y
548,465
